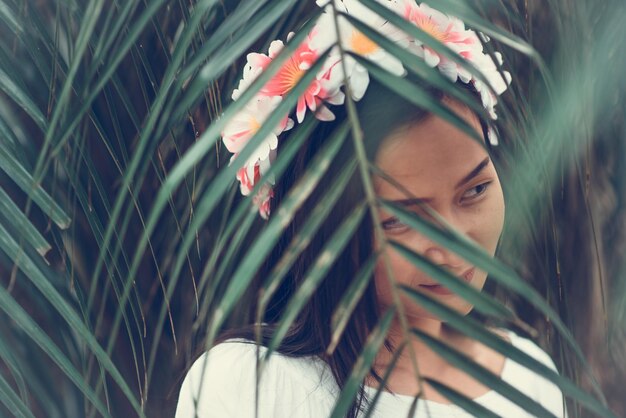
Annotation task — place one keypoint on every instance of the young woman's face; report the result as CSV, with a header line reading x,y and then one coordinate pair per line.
x,y
445,168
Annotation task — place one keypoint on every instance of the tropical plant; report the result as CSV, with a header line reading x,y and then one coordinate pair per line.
x,y
125,247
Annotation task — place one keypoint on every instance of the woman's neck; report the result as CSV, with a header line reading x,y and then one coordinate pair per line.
x,y
427,358
416,353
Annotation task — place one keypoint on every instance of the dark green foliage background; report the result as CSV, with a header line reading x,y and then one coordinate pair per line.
x,y
99,102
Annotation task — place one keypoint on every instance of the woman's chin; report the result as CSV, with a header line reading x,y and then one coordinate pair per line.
x,y
414,311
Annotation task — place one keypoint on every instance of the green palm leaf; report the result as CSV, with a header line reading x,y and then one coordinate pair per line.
x,y
110,121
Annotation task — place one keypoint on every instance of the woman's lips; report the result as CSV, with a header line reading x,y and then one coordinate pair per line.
x,y
441,290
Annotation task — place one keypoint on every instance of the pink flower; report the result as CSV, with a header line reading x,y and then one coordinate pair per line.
x,y
323,88
262,200
452,33
248,176
448,30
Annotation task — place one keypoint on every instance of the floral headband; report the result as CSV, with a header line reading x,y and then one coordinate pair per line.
x,y
326,87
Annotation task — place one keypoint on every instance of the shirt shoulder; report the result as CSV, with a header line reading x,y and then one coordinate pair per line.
x,y
223,383
532,349
533,384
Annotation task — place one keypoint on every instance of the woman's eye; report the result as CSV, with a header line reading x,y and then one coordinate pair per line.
x,y
476,191
393,224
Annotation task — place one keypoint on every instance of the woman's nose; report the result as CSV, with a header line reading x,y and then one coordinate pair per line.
x,y
443,257
438,254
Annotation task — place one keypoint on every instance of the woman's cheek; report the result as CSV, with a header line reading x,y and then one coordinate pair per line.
x,y
402,271
491,223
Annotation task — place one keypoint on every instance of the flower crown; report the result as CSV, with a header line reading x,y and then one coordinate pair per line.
x,y
326,87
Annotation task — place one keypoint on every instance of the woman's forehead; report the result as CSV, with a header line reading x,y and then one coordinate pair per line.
x,y
430,152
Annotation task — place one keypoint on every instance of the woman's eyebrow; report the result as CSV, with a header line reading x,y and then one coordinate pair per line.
x,y
474,172
422,200
412,201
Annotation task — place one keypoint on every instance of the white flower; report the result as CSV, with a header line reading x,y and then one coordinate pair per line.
x,y
490,71
250,73
355,41
248,121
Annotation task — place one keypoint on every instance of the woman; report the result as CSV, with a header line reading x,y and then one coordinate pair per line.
x,y
425,164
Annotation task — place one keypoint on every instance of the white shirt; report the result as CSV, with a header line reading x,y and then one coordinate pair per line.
x,y
221,384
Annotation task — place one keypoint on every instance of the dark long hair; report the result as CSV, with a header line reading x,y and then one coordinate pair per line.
x,y
380,113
